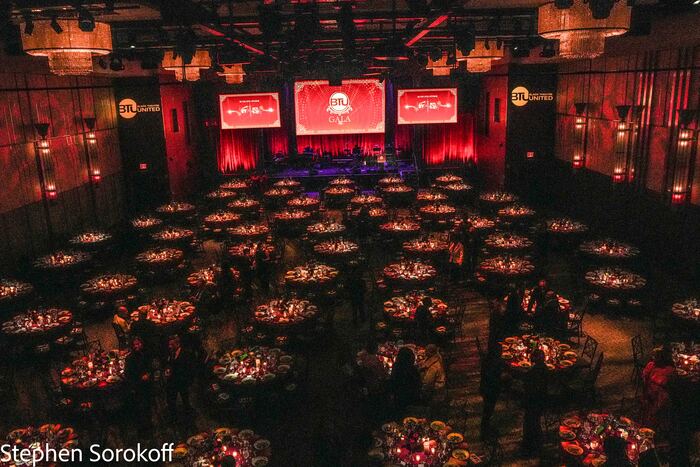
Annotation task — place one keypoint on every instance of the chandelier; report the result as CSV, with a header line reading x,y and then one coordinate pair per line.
x,y
69,51
579,34
440,67
233,74
479,59
187,71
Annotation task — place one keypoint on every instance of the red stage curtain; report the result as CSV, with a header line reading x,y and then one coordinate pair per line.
x,y
451,142
278,140
336,144
238,150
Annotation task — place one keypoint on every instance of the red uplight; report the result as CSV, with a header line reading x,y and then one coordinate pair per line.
x,y
577,164
530,155
51,195
143,166
617,178
677,198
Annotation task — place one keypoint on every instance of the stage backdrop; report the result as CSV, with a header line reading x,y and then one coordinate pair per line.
x,y
258,110
357,106
427,106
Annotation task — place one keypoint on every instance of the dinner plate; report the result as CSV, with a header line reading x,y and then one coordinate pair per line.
x,y
260,461
565,363
573,449
246,434
646,432
567,435
261,444
510,340
223,431
455,438
437,425
572,422
460,454
388,427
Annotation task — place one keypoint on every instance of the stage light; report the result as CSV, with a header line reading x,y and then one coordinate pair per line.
x,y
421,60
86,22
55,26
435,54
548,49
115,63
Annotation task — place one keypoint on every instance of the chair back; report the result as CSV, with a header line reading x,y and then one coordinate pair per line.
x,y
589,349
595,372
637,350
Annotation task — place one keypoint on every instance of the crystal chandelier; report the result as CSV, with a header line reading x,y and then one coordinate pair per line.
x,y
233,74
479,60
187,71
579,34
69,51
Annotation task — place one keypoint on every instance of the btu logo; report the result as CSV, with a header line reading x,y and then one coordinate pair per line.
x,y
339,105
520,96
127,108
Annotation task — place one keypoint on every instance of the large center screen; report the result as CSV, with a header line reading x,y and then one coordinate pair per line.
x,y
259,110
418,106
356,106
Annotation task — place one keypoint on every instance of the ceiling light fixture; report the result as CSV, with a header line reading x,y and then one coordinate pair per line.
x,y
479,60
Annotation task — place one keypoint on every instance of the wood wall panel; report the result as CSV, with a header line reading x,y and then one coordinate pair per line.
x,y
643,76
64,102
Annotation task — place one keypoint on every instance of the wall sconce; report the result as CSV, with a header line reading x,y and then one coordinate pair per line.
x,y
621,146
44,162
685,149
579,157
93,160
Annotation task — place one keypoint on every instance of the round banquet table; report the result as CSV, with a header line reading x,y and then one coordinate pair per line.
x,y
311,277
64,266
430,197
14,294
401,229
504,268
448,179
94,375
53,436
608,251
289,184
431,248
235,185
338,196
687,313
207,280
176,237
109,287
458,192
305,203
325,229
337,250
516,352
244,253
409,274
91,240
507,242
250,370
278,197
169,316
36,327
582,438
221,196
565,227
401,310
247,207
365,200
516,214
291,221
387,352
437,212
342,181
479,224
283,316
615,285
177,210
495,200
390,180
373,216
144,225
217,222
158,260
210,447
398,195
418,442
249,232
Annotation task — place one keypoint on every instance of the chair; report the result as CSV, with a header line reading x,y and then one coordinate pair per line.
x,y
122,338
575,324
588,352
584,388
638,359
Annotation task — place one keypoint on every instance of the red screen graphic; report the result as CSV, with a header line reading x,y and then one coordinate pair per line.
x,y
357,106
259,110
427,106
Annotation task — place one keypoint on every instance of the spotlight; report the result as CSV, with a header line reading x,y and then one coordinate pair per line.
x,y
451,59
86,22
435,54
487,44
421,60
28,23
115,63
548,50
55,26
466,40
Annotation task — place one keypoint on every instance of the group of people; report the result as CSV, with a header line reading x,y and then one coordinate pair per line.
x,y
152,362
543,312
409,383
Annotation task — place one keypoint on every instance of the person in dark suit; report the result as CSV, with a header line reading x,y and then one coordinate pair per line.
x,y
178,376
490,389
139,377
534,306
262,266
147,331
513,314
405,381
534,401
555,322
423,319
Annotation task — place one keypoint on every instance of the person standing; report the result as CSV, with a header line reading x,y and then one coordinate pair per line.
x,y
490,389
405,381
534,401
139,376
433,377
536,302
262,266
147,331
178,376
423,319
